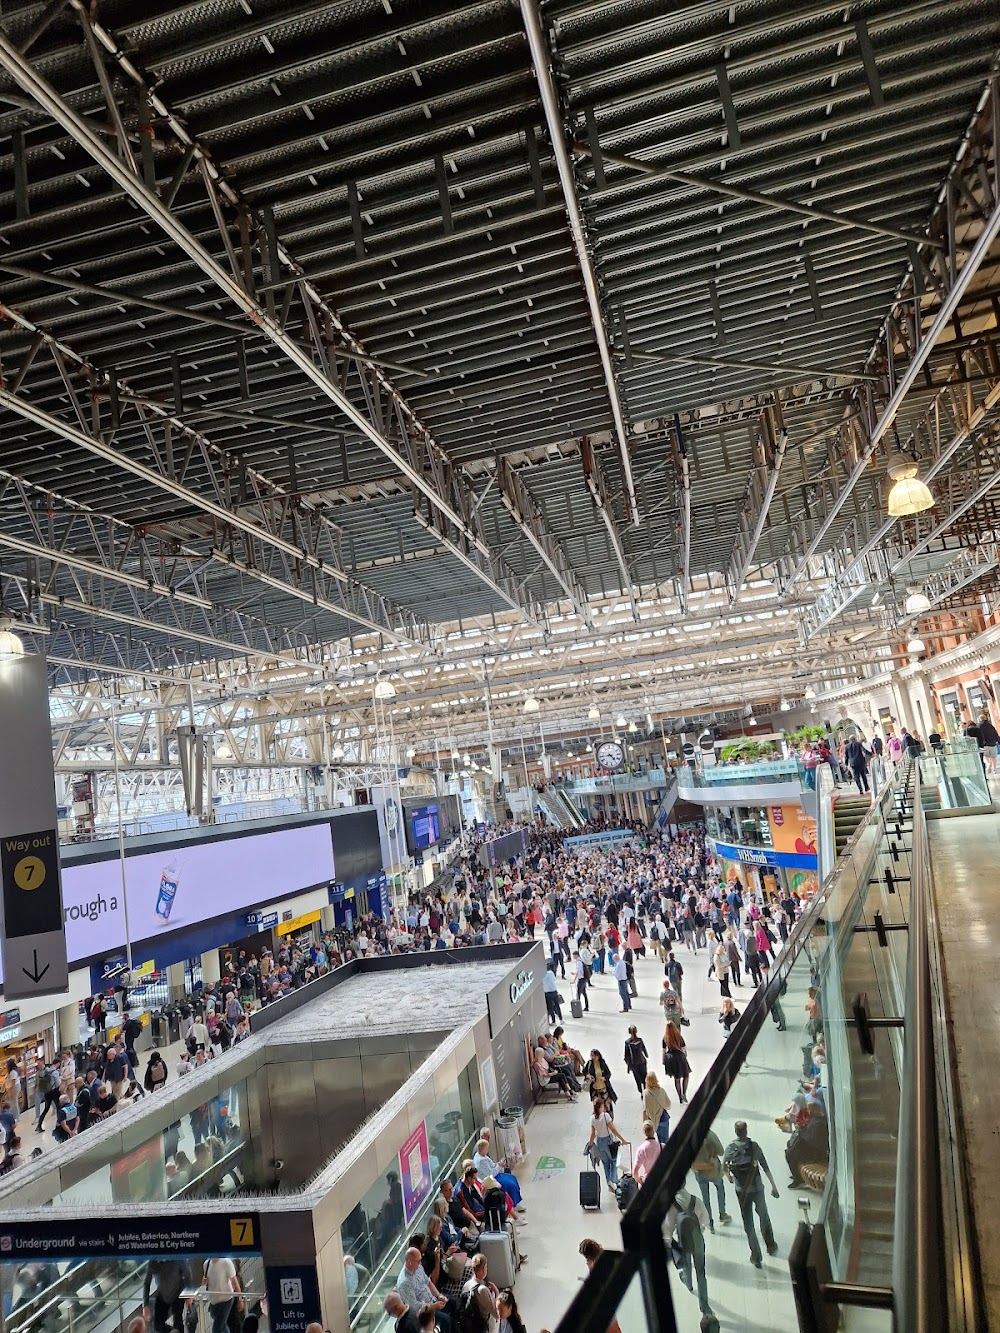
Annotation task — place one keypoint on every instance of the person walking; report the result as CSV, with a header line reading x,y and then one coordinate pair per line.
x,y
647,1153
720,966
857,761
707,1168
550,989
732,949
675,1061
598,1075
619,970
636,1058
580,973
656,1107
602,1132
674,973
743,1163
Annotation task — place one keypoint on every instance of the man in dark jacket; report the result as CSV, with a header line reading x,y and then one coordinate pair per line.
x,y
171,1276
857,762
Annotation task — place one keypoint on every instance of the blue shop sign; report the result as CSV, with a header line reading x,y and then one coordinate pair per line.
x,y
262,920
338,893
762,856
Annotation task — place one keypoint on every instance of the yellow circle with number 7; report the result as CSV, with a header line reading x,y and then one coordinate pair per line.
x,y
29,873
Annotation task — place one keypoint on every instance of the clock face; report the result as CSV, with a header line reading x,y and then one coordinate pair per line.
x,y
610,755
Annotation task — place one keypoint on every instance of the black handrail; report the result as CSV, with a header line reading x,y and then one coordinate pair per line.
x,y
918,1262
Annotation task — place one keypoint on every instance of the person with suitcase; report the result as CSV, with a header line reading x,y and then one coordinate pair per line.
x,y
603,1132
580,973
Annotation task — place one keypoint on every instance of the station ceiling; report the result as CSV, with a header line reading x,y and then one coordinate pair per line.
x,y
331,330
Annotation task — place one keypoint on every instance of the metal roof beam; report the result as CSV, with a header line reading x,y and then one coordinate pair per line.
x,y
954,279
541,59
416,454
761,486
770,201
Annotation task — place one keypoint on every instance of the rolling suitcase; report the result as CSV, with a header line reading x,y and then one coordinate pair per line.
x,y
498,1250
590,1189
627,1187
576,1008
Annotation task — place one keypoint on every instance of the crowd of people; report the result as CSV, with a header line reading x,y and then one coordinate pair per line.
x,y
597,912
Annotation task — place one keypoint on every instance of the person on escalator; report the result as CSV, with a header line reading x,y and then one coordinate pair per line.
x,y
857,761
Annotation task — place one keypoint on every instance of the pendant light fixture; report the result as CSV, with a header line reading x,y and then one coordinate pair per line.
x,y
909,495
916,602
531,704
11,644
915,646
809,692
594,713
384,689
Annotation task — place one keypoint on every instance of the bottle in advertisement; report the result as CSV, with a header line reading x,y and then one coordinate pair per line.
x,y
168,892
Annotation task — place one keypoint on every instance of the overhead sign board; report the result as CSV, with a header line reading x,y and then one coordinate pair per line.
x,y
34,933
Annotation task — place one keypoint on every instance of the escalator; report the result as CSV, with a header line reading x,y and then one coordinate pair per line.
x,y
848,812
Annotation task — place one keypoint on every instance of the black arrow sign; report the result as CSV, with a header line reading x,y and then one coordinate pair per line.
x,y
35,976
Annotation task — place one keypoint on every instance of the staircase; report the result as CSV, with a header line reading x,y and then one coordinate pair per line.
x,y
571,811
848,812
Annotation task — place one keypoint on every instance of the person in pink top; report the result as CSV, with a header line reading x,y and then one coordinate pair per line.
x,y
894,746
647,1153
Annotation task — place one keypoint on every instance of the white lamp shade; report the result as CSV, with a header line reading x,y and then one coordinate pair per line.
x,y
633,728
531,704
384,689
410,752
916,602
10,643
620,720
785,705
337,752
915,646
809,692
594,713
909,495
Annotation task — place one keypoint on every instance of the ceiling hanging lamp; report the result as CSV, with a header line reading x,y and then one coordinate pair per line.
x,y
11,644
909,494
916,602
531,704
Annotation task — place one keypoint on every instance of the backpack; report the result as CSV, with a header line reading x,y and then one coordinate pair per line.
x,y
470,1317
743,1165
688,1231
49,1081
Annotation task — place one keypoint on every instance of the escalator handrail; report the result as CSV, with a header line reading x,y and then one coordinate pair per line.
x,y
918,1264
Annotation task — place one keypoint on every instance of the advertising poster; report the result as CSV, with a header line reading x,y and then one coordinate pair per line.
x,y
792,830
415,1172
140,1176
182,887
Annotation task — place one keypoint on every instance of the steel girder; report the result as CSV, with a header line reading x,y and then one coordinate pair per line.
x,y
903,346
541,59
963,410
441,496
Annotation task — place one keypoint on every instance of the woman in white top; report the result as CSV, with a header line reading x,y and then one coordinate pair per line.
x,y
602,1127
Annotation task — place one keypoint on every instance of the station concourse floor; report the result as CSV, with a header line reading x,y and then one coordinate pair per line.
x,y
965,856
742,1297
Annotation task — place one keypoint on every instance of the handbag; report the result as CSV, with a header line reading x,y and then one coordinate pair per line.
x,y
613,1147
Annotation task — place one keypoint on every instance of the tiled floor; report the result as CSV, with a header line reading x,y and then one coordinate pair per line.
x,y
965,854
742,1297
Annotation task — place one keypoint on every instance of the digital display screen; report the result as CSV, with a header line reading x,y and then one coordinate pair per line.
x,y
425,826
180,887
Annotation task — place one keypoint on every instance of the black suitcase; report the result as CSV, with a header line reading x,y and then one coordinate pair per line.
x,y
590,1189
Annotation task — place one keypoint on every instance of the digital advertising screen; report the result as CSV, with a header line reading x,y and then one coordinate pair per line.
x,y
425,827
179,887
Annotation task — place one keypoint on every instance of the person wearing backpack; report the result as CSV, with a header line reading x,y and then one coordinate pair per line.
x,y
743,1163
48,1086
687,1246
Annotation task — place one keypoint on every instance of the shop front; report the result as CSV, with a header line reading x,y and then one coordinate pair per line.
x,y
30,1043
765,869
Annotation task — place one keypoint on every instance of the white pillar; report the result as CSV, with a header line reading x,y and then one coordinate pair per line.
x,y
210,969
176,983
